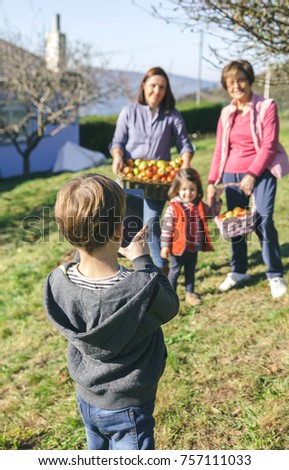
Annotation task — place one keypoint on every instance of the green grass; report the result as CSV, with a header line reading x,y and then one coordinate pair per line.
x,y
226,382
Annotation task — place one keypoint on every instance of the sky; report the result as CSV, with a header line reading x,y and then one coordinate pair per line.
x,y
122,30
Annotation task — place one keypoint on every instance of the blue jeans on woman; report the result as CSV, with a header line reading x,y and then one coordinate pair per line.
x,y
127,429
152,213
264,193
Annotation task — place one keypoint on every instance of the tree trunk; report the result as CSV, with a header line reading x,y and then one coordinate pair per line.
x,y
26,163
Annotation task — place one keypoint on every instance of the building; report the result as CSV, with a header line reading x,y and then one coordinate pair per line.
x,y
14,112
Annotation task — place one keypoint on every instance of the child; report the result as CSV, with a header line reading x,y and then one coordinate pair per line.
x,y
185,230
110,315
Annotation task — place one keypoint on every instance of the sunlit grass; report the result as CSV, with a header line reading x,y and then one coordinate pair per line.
x,y
226,381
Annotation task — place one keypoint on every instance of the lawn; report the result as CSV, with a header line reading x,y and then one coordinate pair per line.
x,y
226,382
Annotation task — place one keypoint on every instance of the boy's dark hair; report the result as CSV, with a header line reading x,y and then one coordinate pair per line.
x,y
168,101
231,69
188,174
88,210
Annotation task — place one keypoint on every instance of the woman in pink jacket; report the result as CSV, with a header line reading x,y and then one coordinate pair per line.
x,y
248,154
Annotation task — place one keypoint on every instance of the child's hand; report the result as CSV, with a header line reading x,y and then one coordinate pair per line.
x,y
218,194
165,252
137,247
211,194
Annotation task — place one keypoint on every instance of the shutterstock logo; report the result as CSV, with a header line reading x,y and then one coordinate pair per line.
x,y
39,228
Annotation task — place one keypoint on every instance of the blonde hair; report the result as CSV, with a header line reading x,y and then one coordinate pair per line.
x,y
88,209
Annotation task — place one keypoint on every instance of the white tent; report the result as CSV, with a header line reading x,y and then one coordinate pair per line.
x,y
72,157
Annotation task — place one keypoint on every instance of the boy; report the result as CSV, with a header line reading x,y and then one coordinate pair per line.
x,y
111,316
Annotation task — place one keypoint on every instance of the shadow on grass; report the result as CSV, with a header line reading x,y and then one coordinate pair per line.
x,y
24,443
13,225
32,227
7,184
256,257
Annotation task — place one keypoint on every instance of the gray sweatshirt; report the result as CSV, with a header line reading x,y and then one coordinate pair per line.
x,y
116,350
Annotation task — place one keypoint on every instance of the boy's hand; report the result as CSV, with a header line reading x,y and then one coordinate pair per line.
x,y
165,252
137,247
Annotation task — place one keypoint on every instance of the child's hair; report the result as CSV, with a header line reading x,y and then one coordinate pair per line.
x,y
189,174
88,210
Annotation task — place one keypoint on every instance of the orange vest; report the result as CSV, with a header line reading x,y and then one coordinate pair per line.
x,y
180,227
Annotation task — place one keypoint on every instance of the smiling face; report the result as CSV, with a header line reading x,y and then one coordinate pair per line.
x,y
188,191
238,86
154,89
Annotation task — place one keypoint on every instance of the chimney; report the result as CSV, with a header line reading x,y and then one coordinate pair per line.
x,y
56,23
55,47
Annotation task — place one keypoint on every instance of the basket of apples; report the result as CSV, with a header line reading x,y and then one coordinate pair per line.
x,y
153,176
235,222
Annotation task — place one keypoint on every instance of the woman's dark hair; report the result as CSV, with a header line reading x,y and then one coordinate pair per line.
x,y
188,174
235,66
168,101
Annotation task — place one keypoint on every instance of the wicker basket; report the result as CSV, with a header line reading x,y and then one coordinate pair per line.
x,y
158,191
235,226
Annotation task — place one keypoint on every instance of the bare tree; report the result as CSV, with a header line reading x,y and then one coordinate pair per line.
x,y
261,26
47,100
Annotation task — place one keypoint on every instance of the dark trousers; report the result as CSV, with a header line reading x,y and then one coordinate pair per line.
x,y
189,261
264,193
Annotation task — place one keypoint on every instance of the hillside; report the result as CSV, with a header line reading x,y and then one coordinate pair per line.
x,y
181,86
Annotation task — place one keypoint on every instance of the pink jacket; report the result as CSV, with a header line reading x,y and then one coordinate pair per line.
x,y
278,161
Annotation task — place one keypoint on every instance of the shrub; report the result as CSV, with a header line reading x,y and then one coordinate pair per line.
x,y
201,118
96,132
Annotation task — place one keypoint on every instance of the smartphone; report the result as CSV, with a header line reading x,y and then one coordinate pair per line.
x,y
133,220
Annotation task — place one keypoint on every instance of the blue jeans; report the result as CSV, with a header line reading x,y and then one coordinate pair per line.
x,y
126,429
152,213
264,193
